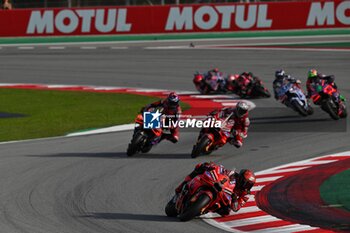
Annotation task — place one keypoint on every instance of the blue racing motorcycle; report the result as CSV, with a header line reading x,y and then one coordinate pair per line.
x,y
293,97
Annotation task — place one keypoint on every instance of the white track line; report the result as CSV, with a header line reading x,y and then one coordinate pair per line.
x,y
119,47
211,96
315,162
57,47
285,170
286,229
227,101
273,178
26,47
251,221
88,47
229,104
105,130
257,187
248,210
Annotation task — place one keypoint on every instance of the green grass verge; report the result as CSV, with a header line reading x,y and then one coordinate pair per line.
x,y
55,113
335,190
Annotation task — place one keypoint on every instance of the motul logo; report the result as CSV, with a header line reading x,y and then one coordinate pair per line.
x,y
327,14
209,17
68,21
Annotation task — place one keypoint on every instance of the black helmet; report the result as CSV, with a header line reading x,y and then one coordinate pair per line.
x,y
246,179
280,74
241,109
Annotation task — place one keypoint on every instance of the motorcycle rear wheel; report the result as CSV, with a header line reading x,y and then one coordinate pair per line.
x,y
332,111
198,149
194,209
170,209
262,92
298,108
344,114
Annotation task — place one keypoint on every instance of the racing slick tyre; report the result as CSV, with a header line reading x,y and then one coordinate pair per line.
x,y
170,209
298,108
146,149
310,110
331,109
199,148
135,144
194,209
344,113
262,92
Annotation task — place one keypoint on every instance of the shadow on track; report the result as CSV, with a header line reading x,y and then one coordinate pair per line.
x,y
116,155
126,216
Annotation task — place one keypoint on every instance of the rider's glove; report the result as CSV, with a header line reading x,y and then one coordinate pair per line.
x,y
243,135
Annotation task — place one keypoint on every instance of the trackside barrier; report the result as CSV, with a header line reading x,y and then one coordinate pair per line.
x,y
175,19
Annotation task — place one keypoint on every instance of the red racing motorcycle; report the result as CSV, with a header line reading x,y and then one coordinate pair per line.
x,y
205,193
144,139
247,87
212,138
329,100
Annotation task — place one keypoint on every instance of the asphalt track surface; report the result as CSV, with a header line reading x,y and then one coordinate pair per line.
x,y
87,184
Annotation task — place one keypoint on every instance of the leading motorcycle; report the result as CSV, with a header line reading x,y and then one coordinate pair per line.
x,y
205,85
205,193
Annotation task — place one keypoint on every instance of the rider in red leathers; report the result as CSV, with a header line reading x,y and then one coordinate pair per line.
x,y
239,122
242,84
244,181
172,108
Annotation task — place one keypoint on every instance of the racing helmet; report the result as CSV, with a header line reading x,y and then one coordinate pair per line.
x,y
312,73
173,100
280,73
216,70
241,109
246,179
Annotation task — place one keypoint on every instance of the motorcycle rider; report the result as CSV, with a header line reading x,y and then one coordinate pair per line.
x,y
313,83
171,108
282,79
244,181
216,73
240,86
238,121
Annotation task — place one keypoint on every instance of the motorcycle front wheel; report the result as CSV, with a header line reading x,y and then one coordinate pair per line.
x,y
170,209
194,209
199,148
135,144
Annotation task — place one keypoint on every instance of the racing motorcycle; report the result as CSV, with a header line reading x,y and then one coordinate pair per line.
x,y
247,88
205,193
294,98
329,100
212,138
144,139
208,85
